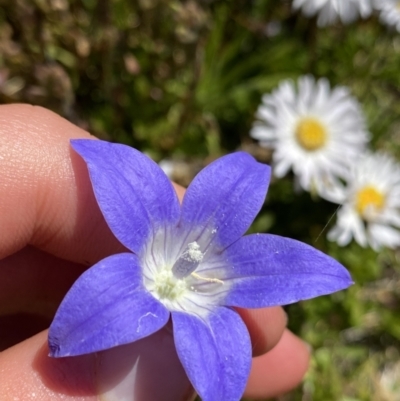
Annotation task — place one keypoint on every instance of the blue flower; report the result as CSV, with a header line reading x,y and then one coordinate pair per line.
x,y
189,262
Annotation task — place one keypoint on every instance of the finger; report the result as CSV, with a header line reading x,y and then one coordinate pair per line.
x,y
32,285
46,198
27,373
265,325
148,370
35,282
180,191
280,370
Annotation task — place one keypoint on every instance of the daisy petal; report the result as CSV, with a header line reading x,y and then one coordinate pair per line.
x,y
226,196
329,11
389,13
133,193
107,306
216,354
269,270
382,235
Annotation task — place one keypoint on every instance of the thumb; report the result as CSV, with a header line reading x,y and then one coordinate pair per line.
x,y
147,370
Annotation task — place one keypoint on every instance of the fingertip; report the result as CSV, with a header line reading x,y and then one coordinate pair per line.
x,y
28,373
280,370
265,325
180,191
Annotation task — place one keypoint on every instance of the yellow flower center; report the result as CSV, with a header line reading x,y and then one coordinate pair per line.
x,y
310,134
369,199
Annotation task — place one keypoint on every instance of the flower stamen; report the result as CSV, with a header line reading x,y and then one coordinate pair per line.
x,y
310,134
369,200
188,261
210,280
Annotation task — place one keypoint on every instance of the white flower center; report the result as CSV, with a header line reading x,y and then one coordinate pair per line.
x,y
170,275
310,134
170,283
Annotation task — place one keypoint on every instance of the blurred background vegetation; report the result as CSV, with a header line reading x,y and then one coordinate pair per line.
x,y
181,80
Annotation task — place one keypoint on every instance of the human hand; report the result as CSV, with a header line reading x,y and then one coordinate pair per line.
x,y
52,230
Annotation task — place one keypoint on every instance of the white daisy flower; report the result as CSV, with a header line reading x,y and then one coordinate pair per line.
x,y
315,131
330,10
370,211
389,12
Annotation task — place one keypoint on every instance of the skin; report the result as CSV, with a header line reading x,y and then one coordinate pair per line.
x,y
52,230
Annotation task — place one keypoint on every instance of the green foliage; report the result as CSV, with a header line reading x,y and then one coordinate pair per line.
x,y
182,80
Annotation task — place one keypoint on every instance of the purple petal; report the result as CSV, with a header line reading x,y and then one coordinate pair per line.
x,y
133,193
226,196
268,270
215,354
107,306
